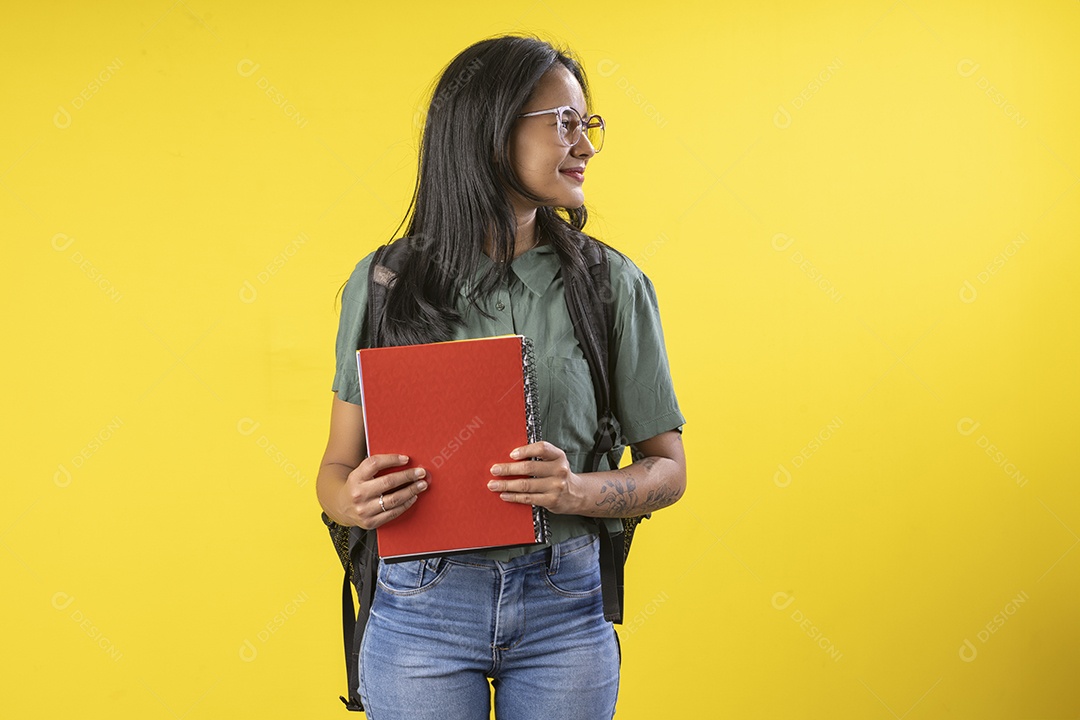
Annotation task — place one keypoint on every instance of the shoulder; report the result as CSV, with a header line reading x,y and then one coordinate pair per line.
x,y
393,257
357,285
627,279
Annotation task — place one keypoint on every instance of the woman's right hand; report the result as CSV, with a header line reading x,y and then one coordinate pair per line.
x,y
362,491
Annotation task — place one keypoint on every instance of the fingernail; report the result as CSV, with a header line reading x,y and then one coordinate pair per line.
x,y
495,470
421,485
420,472
402,459
516,453
493,485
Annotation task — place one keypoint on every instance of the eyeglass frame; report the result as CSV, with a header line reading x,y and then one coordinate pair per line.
x,y
585,121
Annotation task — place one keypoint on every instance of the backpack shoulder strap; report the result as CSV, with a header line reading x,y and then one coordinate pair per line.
x,y
591,313
364,565
592,317
361,558
385,267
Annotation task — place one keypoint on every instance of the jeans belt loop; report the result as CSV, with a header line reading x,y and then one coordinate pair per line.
x,y
553,559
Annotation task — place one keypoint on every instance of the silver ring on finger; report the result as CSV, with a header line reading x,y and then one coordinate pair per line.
x,y
381,506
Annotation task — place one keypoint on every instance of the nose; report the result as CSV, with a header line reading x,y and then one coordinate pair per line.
x,y
583,148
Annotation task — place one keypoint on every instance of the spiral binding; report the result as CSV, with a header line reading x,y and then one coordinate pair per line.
x,y
532,425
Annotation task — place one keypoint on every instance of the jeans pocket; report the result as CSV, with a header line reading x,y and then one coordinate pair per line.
x,y
576,571
412,577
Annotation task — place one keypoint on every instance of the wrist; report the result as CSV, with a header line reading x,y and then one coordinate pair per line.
x,y
582,490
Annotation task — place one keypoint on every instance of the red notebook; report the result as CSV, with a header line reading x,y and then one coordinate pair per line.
x,y
456,409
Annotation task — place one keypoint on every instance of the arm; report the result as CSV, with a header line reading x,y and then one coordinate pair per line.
x,y
654,482
347,486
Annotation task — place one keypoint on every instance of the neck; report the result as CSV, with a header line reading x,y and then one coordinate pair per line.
x,y
525,238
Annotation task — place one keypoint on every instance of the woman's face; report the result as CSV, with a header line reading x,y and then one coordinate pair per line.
x,y
539,156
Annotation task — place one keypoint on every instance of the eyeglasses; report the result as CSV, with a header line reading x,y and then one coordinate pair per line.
x,y
570,124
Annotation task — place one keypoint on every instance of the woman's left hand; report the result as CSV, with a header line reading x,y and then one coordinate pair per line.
x,y
549,481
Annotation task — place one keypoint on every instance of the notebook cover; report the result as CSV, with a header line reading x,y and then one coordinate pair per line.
x,y
455,408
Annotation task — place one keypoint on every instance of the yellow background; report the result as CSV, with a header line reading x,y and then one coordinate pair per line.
x,y
861,221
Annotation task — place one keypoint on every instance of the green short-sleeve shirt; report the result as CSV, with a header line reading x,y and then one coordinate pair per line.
x,y
532,303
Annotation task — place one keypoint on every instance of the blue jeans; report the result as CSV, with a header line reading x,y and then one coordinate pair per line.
x,y
535,625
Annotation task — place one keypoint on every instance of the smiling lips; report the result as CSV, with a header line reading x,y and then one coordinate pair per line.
x,y
577,173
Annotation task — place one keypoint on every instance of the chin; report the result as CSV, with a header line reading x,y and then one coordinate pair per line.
x,y
573,202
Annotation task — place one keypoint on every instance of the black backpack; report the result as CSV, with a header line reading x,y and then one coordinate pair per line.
x,y
589,304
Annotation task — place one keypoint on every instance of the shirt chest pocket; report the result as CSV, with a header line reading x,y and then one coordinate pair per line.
x,y
567,403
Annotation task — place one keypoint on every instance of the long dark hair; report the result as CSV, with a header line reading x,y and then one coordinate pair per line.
x,y
461,193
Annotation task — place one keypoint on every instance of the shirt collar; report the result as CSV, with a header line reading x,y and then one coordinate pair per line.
x,y
536,268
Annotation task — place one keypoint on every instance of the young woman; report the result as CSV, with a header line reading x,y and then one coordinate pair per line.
x,y
496,230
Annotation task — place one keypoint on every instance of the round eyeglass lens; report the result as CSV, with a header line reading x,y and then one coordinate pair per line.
x,y
595,133
570,127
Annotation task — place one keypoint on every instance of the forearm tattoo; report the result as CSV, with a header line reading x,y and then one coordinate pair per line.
x,y
619,496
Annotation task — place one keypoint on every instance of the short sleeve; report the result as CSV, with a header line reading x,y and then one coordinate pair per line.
x,y
350,330
643,395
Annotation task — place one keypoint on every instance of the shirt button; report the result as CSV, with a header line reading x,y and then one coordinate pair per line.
x,y
500,306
